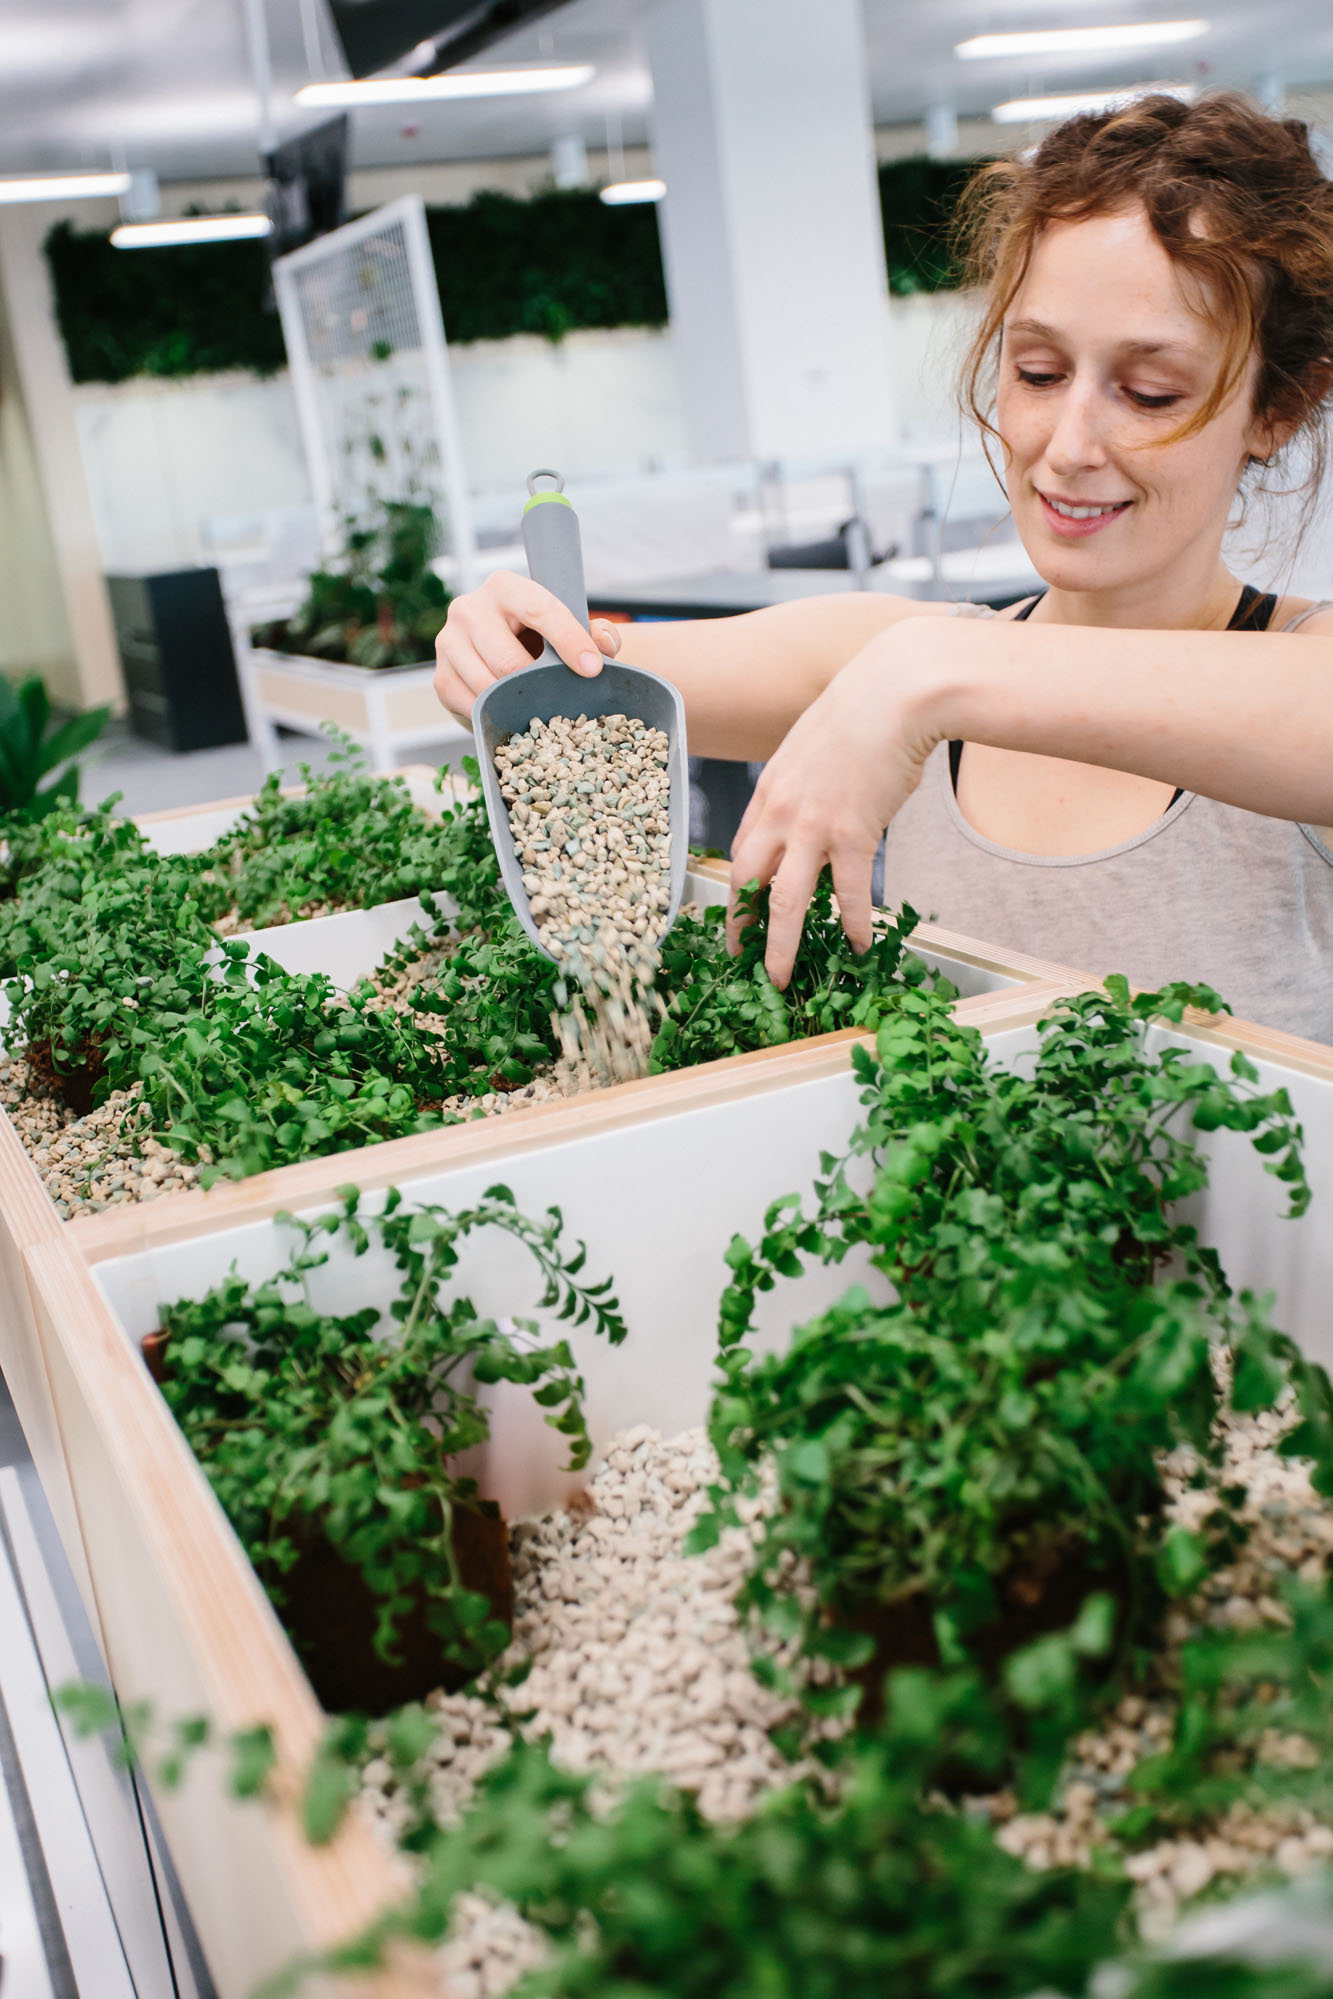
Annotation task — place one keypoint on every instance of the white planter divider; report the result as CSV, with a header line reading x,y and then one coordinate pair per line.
x,y
388,709
656,1185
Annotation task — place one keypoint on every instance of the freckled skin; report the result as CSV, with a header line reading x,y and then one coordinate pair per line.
x,y
1080,432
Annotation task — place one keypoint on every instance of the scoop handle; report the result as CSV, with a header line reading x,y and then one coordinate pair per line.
x,y
553,548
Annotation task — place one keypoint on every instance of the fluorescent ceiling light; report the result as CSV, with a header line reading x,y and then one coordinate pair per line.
x,y
62,187
621,192
189,229
1030,110
455,83
1082,41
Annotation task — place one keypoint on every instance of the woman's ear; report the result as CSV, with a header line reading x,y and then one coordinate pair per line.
x,y
1273,433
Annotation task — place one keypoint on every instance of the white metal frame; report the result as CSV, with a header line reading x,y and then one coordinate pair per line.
x,y
409,211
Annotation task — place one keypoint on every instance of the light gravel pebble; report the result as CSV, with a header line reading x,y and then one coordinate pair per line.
x,y
102,1160
1291,1535
640,1665
588,800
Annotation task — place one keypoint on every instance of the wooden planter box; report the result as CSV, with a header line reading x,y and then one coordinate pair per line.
x,y
180,1616
390,709
656,1182
655,1177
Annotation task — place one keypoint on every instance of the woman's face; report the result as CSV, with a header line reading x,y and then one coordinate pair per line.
x,y
1102,359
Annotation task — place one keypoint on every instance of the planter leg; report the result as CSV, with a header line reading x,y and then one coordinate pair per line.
x,y
260,729
378,731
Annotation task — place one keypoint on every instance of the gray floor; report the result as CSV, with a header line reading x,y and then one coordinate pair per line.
x,y
150,779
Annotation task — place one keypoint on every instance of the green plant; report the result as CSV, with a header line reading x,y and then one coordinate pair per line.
x,y
383,605
918,200
347,840
203,309
496,997
1238,1694
116,974
718,1005
545,264
267,1067
983,1437
876,1891
306,1420
31,748
97,944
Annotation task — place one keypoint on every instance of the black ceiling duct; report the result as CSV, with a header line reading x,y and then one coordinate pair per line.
x,y
306,192
376,33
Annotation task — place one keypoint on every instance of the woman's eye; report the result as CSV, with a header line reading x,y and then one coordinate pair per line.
x,y
1035,380
1147,402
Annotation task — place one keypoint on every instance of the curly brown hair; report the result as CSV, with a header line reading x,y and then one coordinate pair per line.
x,y
1235,197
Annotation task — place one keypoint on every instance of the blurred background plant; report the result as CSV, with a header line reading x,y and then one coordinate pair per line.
x,y
34,742
383,604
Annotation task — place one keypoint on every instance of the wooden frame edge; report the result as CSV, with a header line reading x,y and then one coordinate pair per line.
x,y
314,1182
144,1505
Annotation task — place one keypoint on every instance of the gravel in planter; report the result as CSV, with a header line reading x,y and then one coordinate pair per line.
x,y
639,1661
640,1665
97,1161
1291,1535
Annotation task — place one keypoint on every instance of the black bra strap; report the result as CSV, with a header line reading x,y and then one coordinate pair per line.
x,y
1253,613
956,749
1254,610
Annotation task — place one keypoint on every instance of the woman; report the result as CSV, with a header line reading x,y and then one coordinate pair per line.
x,y
1152,791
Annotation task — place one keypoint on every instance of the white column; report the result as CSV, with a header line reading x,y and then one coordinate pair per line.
x,y
39,359
771,228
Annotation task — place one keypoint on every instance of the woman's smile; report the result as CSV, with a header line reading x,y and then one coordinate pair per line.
x,y
1072,519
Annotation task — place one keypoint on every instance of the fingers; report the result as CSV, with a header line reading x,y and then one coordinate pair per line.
x,y
788,899
498,630
607,636
461,675
754,858
851,884
492,639
523,603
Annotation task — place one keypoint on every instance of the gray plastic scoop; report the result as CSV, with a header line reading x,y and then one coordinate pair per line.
x,y
548,688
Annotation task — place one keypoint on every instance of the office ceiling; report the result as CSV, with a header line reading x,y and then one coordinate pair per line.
x,y
169,84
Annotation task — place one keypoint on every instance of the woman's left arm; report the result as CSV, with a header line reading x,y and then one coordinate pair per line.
x,y
1243,717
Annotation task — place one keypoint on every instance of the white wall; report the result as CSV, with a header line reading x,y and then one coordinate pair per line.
x,y
162,456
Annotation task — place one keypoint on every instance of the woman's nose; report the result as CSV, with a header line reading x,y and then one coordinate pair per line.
x,y
1077,440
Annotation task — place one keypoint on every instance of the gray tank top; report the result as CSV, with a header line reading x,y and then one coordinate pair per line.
x,y
1208,893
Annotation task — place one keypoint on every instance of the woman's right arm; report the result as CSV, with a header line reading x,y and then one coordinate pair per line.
x,y
745,679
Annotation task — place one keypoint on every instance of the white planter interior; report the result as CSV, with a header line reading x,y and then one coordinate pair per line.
x,y
658,1204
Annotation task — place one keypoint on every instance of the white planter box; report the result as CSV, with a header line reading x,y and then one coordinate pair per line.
x,y
390,710
656,1187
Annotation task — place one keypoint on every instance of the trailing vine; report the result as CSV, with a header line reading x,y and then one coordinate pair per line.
x,y
310,1422
981,1429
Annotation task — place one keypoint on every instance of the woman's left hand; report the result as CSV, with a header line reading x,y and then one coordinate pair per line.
x,y
837,779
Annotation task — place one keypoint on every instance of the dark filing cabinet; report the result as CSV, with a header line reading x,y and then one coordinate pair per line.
x,y
176,652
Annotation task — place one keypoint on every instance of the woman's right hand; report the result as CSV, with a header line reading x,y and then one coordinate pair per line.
x,y
499,629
